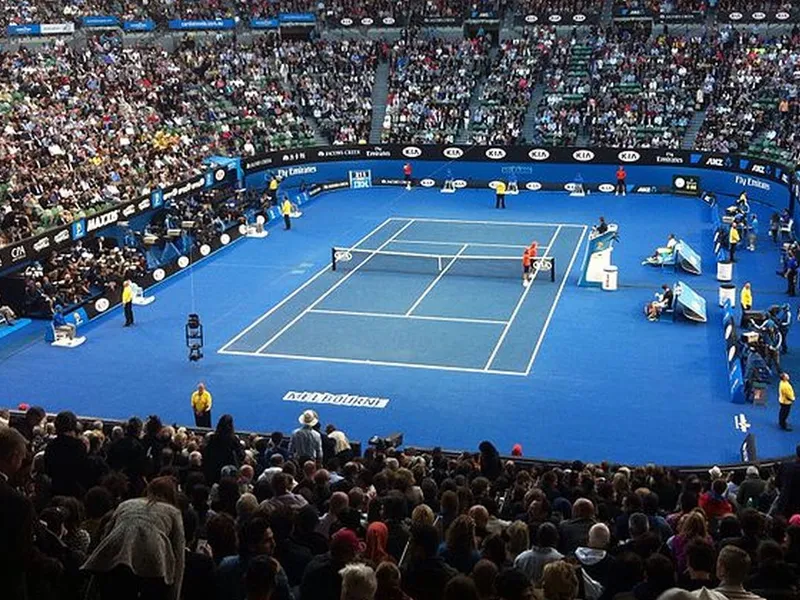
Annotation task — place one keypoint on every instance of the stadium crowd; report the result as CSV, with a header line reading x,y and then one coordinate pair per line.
x,y
335,80
562,112
647,91
38,11
755,102
508,88
148,510
88,127
430,86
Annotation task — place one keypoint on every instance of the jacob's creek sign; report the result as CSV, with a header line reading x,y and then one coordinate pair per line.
x,y
337,399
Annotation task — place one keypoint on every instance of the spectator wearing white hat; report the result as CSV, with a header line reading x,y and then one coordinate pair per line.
x,y
306,443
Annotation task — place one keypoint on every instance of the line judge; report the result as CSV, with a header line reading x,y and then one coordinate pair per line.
x,y
127,302
201,405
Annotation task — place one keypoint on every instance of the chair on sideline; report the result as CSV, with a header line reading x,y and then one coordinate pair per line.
x,y
61,339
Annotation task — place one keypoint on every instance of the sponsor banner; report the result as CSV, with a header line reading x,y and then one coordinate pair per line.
x,y
21,30
334,185
32,29
77,317
297,18
78,229
201,24
687,185
264,23
348,21
336,152
220,176
19,253
336,399
134,26
518,155
757,16
622,13
180,190
669,158
100,21
682,17
443,21
570,19
257,163
530,165
56,28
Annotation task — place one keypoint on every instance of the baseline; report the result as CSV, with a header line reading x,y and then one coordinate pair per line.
x,y
379,363
468,222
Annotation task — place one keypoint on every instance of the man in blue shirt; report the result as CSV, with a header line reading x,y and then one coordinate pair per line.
x,y
306,443
60,323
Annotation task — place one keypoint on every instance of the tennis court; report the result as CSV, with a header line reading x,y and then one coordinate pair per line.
x,y
424,293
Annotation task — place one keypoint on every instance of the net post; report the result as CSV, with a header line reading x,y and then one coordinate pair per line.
x,y
553,270
333,259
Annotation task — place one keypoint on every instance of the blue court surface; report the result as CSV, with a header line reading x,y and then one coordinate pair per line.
x,y
446,295
425,328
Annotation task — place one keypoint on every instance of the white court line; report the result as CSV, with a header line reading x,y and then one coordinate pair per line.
x,y
298,290
435,281
517,307
356,313
378,363
555,302
331,289
515,247
518,223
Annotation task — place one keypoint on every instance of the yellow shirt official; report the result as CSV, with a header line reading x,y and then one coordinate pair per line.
x,y
286,208
273,185
201,402
746,298
734,237
501,188
127,295
786,393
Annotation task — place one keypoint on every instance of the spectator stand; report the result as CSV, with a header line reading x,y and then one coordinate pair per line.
x,y
647,91
755,100
430,86
566,102
508,89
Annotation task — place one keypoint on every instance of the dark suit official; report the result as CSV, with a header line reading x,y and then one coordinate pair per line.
x,y
65,459
16,520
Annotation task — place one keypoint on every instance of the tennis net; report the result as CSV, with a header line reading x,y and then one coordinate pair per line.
x,y
352,259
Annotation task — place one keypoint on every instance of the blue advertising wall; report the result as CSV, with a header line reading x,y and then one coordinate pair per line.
x,y
529,176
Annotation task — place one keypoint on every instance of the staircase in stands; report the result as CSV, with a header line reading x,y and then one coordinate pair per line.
x,y
380,92
692,131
